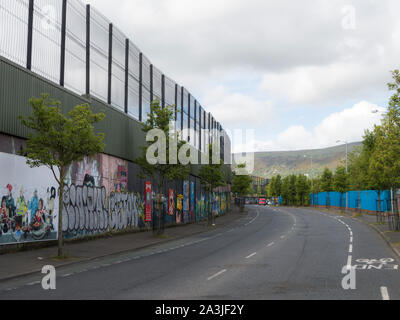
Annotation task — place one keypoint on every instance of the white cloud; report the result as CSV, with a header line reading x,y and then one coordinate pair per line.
x,y
295,51
299,46
321,85
237,110
348,125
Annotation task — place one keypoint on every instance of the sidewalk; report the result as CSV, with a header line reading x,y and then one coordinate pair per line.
x,y
14,265
391,237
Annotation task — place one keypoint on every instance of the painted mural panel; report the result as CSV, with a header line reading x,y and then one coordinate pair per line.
x,y
96,199
29,202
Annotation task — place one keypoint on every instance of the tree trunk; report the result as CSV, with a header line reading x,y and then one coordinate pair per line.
x,y
210,215
60,216
242,203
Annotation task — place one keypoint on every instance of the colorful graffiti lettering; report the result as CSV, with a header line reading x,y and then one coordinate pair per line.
x,y
88,210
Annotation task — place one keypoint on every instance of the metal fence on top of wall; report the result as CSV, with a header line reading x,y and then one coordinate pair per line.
x,y
74,45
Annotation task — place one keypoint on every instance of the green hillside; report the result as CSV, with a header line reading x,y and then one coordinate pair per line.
x,y
269,164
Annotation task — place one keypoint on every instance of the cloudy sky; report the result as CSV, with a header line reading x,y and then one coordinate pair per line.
x,y
302,74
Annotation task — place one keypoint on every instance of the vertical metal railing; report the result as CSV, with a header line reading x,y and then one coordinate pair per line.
x,y
83,59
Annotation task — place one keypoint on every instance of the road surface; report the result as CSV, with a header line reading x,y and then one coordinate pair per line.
x,y
273,253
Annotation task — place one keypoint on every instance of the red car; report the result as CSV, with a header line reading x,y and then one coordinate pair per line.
x,y
262,202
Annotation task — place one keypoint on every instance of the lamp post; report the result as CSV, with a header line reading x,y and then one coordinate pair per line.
x,y
347,168
311,178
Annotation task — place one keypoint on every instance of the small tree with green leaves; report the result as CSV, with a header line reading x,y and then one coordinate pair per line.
x,y
166,165
340,182
211,177
56,141
326,181
241,184
302,189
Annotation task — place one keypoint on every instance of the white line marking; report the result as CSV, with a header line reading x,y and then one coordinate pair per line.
x,y
66,275
349,261
216,275
271,244
385,294
351,239
351,248
253,219
282,237
252,255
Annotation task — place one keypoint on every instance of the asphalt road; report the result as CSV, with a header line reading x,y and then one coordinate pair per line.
x,y
280,253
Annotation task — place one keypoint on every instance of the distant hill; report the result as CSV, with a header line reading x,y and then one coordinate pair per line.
x,y
269,164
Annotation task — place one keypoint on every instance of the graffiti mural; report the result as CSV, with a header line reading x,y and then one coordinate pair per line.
x,y
96,199
29,202
89,210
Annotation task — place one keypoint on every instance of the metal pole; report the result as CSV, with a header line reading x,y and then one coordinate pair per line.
x,y
126,102
312,182
88,49
347,170
176,104
30,35
141,87
63,35
163,91
110,54
151,85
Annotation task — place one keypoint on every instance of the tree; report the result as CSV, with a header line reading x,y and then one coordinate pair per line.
x,y
316,188
211,176
267,191
326,181
259,193
385,163
292,189
285,190
56,141
340,181
241,184
302,189
163,163
278,186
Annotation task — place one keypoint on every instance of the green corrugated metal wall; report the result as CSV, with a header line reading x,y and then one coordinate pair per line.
x,y
122,133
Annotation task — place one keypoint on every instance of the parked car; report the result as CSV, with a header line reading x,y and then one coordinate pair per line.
x,y
262,202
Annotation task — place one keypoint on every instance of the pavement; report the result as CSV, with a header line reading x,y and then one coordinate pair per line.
x,y
14,265
269,254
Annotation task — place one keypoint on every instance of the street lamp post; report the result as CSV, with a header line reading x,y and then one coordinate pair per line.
x,y
347,168
311,178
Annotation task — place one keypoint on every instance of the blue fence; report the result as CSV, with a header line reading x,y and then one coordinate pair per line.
x,y
364,200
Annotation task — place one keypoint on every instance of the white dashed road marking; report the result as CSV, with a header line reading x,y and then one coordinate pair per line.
x,y
251,255
216,275
385,293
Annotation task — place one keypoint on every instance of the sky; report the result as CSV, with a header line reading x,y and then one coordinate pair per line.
x,y
301,74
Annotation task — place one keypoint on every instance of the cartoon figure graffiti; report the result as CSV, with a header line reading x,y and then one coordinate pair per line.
x,y
5,223
39,228
10,202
